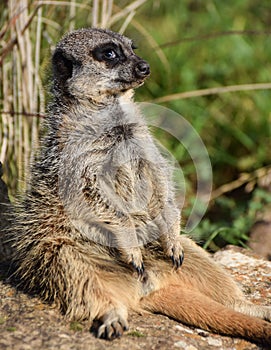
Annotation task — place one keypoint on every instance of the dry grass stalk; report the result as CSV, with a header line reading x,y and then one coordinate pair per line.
x,y
21,90
213,91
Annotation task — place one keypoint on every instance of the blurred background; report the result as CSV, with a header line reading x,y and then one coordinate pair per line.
x,y
210,62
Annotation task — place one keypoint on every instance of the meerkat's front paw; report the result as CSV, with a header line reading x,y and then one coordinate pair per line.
x,y
134,258
140,268
174,250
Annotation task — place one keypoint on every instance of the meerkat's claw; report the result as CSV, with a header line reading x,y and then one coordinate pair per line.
x,y
110,331
139,269
135,259
174,250
177,262
113,326
177,255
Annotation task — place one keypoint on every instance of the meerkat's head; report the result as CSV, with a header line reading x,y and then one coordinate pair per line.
x,y
91,63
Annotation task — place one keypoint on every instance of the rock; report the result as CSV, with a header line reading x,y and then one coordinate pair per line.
x,y
27,323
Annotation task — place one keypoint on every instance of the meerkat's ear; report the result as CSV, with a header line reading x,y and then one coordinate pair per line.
x,y
62,66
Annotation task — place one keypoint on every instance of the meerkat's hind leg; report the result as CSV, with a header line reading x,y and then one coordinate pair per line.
x,y
114,323
191,307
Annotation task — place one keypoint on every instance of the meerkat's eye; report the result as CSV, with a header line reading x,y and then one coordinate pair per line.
x,y
110,54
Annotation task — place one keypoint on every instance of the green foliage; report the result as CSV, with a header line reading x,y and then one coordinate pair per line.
x,y
216,233
205,48
76,326
136,334
11,329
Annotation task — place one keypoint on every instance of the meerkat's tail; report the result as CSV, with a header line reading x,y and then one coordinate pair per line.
x,y
193,308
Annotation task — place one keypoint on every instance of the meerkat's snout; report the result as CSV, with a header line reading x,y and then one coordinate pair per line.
x,y
142,69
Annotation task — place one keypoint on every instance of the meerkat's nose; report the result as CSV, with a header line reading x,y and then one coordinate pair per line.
x,y
142,69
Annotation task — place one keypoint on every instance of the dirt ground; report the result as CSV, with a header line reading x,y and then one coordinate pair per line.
x,y
27,323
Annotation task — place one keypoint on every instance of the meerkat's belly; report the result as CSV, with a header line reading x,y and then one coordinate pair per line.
x,y
133,180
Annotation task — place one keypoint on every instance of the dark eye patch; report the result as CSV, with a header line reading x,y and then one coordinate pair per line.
x,y
62,66
109,53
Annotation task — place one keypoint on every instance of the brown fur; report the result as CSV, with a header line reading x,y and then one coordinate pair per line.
x,y
98,242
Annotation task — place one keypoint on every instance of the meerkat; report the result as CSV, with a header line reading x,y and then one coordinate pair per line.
x,y
99,225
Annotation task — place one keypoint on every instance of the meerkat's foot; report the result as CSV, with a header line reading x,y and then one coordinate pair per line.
x,y
263,312
174,250
114,323
267,314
